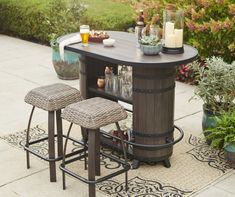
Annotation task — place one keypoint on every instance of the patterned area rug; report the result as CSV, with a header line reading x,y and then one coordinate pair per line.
x,y
194,165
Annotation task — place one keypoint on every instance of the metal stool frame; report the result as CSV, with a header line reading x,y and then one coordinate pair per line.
x,y
51,142
94,161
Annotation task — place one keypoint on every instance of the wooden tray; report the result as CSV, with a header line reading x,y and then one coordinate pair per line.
x,y
97,39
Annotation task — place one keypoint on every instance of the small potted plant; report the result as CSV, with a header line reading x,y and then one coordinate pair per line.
x,y
223,135
68,68
150,45
216,87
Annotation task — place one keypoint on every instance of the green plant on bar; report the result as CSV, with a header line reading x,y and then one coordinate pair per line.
x,y
150,40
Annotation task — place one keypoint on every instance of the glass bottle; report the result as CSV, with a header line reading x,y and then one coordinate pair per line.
x,y
154,26
139,25
108,78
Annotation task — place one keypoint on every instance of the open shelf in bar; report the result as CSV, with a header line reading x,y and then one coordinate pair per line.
x,y
101,92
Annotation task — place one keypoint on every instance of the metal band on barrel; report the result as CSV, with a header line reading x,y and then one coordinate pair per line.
x,y
153,91
160,76
152,135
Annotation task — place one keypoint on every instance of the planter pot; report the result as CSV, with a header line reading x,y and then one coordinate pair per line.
x,y
230,154
150,50
67,69
208,120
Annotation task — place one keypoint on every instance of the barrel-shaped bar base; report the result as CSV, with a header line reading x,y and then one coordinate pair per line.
x,y
153,106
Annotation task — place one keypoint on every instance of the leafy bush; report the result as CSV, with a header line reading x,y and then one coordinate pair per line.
x,y
108,15
224,132
210,24
39,19
184,73
216,84
211,27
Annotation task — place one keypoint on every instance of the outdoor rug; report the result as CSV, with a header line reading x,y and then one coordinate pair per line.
x,y
194,165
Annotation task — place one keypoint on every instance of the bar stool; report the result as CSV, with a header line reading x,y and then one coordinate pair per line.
x,y
51,98
92,114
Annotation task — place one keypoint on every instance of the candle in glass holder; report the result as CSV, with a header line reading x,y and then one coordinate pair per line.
x,y
178,38
173,23
170,41
169,29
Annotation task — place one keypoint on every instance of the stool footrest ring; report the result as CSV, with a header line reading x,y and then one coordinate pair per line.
x,y
149,146
34,152
125,168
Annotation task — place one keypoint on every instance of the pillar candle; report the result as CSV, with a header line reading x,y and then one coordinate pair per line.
x,y
178,38
170,40
169,28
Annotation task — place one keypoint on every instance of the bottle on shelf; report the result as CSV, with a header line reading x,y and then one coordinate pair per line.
x,y
108,78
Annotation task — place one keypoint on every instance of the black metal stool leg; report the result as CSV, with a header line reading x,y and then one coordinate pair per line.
x,y
97,148
124,153
85,139
59,133
27,137
91,163
51,145
64,154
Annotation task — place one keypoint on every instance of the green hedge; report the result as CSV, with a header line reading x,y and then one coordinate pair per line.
x,y
108,15
27,20
39,19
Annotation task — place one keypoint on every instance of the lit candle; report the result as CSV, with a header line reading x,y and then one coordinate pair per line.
x,y
178,38
170,40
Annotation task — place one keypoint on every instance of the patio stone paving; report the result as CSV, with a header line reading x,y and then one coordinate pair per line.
x,y
25,65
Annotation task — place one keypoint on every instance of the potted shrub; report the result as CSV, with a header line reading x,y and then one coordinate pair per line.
x,y
216,87
150,45
68,68
223,135
67,19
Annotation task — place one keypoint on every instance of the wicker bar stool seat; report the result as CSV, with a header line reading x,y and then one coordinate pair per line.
x,y
51,98
94,113
91,115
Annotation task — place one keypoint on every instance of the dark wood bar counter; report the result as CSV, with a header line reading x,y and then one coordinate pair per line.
x,y
153,90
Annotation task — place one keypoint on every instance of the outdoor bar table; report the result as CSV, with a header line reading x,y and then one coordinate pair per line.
x,y
153,91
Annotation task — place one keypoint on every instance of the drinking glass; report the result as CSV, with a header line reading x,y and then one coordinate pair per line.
x,y
120,82
127,90
84,32
115,85
108,83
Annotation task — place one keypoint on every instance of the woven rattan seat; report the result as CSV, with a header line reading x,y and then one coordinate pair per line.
x,y
94,113
53,97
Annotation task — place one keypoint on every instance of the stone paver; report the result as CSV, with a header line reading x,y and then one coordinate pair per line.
x,y
215,192
13,164
25,65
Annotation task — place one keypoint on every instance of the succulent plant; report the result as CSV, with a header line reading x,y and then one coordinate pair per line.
x,y
150,40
